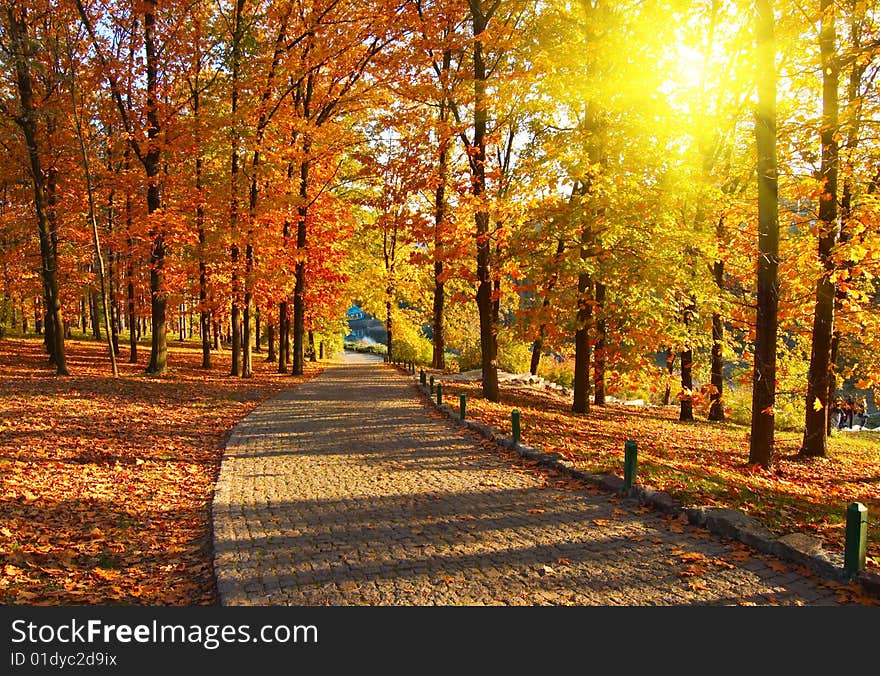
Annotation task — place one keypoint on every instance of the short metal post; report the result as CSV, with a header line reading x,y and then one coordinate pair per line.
x,y
630,464
432,384
462,406
856,539
422,377
439,394
514,426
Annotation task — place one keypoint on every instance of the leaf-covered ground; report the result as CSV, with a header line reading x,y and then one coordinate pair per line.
x,y
105,484
702,463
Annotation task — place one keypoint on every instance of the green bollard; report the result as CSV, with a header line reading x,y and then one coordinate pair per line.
x,y
630,464
422,377
439,394
432,384
514,426
856,539
462,406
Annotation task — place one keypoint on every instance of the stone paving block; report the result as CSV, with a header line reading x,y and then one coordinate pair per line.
x,y
346,491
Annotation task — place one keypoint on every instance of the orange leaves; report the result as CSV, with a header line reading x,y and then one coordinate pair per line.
x,y
103,502
740,555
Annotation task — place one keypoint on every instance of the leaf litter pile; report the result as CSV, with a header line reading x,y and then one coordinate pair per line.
x,y
106,483
701,463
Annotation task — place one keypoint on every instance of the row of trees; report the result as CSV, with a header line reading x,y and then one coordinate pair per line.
x,y
612,179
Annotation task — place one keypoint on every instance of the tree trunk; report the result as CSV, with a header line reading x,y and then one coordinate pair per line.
x,y
283,337
22,52
686,411
152,166
113,279
235,329
204,310
819,375
257,328
477,158
537,347
247,368
299,289
599,352
389,328
313,355
582,349
761,439
95,315
716,395
270,340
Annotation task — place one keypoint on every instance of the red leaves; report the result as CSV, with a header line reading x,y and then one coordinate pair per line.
x,y
105,483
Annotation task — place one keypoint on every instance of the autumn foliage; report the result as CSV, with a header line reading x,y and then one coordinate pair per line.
x,y
106,483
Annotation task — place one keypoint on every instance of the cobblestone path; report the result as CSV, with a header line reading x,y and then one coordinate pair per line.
x,y
349,490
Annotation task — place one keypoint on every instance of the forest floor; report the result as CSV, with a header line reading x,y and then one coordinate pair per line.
x,y
700,463
105,484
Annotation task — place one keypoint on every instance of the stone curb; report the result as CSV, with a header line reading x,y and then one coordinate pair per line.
x,y
797,548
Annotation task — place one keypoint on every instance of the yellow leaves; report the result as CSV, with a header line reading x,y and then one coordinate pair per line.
x,y
105,574
601,522
856,253
12,571
817,404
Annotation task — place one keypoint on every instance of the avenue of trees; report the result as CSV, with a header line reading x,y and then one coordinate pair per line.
x,y
599,181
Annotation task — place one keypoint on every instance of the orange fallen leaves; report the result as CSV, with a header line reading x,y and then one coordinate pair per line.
x,y
740,555
105,484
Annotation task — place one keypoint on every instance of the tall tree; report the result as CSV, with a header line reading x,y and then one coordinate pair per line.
x,y
22,50
482,12
149,152
761,439
819,375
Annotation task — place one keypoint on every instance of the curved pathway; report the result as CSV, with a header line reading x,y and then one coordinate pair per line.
x,y
349,490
